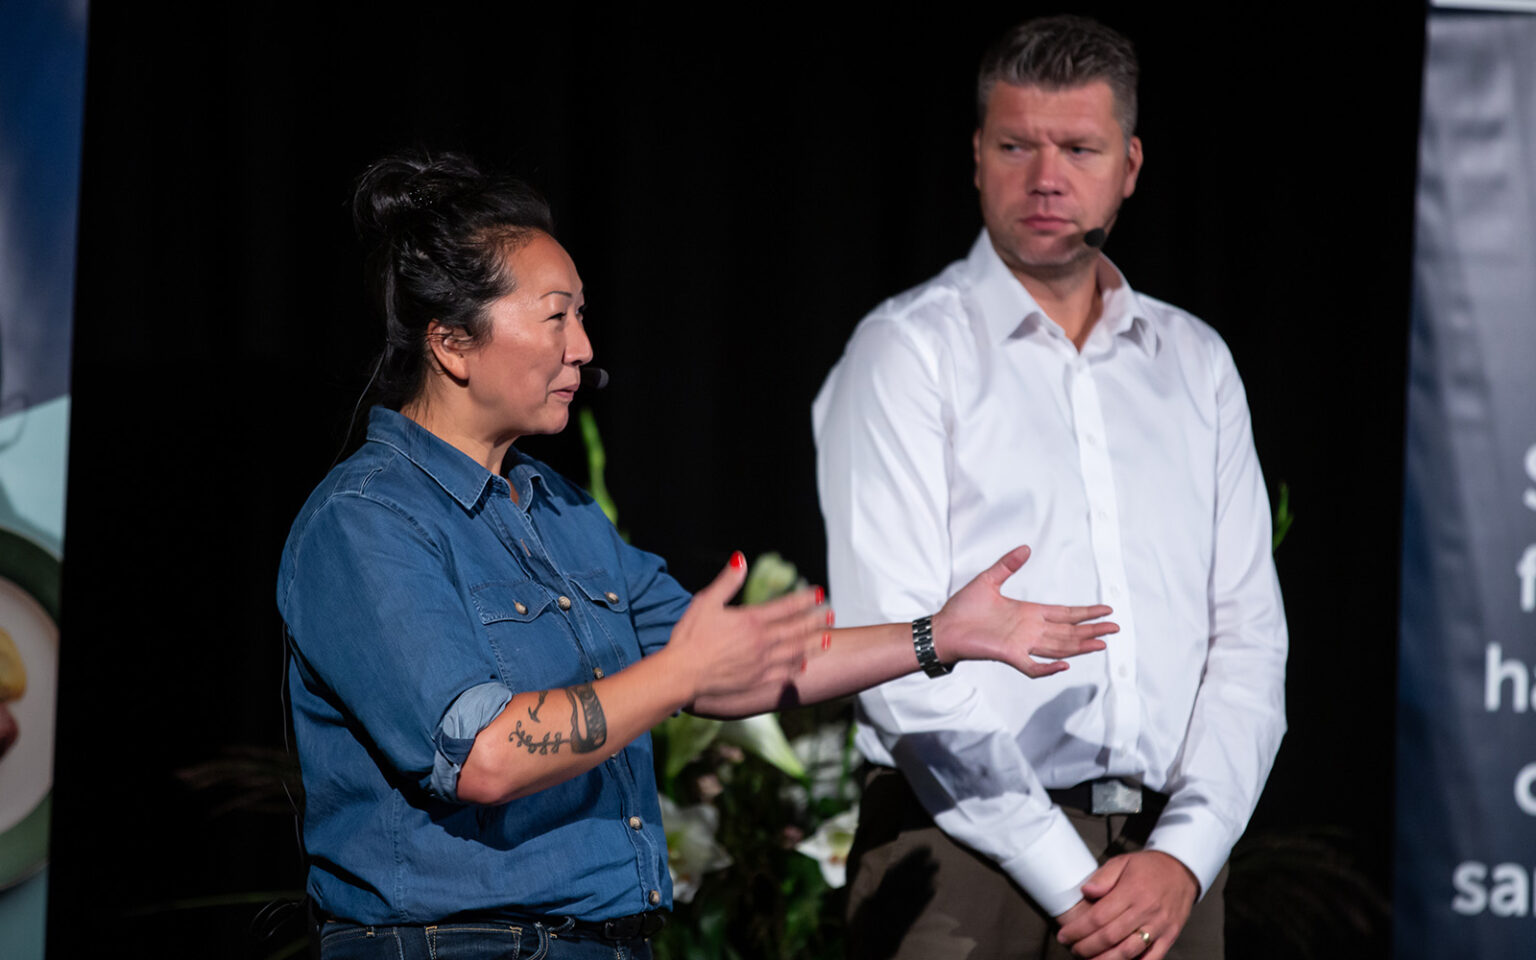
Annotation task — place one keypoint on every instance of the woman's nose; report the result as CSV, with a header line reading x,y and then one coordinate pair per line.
x,y
578,347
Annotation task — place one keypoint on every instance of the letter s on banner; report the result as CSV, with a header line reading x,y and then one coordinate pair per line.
x,y
1471,899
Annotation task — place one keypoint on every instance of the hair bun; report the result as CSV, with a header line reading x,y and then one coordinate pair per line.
x,y
392,194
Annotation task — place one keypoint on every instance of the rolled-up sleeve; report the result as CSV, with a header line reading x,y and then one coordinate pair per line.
x,y
381,629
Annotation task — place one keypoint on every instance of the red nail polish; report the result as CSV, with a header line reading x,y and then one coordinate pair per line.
x,y
826,641
738,561
803,665
830,618
821,596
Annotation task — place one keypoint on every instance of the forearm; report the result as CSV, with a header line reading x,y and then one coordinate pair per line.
x,y
545,737
855,658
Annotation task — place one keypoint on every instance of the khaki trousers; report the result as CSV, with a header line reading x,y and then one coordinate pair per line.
x,y
915,893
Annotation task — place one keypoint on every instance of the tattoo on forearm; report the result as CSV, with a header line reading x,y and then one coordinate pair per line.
x,y
589,727
550,744
586,711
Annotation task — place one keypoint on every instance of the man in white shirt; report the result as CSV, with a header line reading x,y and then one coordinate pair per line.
x,y
1028,394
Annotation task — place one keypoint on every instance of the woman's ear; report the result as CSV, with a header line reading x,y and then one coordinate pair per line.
x,y
449,345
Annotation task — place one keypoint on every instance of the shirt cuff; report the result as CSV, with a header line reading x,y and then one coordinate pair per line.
x,y
471,712
1196,838
1058,854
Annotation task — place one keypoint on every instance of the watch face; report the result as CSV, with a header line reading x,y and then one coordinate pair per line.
x,y
29,662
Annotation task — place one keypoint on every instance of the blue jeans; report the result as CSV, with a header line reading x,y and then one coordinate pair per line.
x,y
470,941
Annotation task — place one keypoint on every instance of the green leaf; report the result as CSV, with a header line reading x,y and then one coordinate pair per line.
x,y
681,739
1283,517
597,462
762,735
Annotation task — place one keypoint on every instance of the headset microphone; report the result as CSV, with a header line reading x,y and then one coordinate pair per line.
x,y
1095,238
594,378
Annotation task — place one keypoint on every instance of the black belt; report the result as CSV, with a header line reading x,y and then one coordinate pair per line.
x,y
636,926
1110,796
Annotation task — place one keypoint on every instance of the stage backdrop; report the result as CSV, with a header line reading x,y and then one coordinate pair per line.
x,y
42,82
1466,773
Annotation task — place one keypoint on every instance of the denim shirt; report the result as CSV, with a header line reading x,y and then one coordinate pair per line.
x,y
418,597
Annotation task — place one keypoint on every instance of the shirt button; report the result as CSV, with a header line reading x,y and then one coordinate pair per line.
x,y
612,597
597,673
1101,514
634,824
1124,672
655,896
564,603
520,607
1114,591
1092,439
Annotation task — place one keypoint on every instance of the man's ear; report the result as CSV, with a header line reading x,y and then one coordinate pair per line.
x,y
450,346
976,158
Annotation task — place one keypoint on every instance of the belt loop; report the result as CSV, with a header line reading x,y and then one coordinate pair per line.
x,y
566,925
543,948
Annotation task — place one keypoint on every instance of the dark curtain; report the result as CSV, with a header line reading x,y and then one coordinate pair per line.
x,y
737,187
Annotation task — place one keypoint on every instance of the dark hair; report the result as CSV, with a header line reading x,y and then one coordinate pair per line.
x,y
436,231
1058,52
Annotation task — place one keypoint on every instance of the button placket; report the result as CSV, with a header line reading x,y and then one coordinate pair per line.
x,y
1121,701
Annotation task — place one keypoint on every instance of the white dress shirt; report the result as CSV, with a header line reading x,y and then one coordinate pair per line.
x,y
962,422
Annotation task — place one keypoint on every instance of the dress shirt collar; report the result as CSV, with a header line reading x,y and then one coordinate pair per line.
x,y
1009,311
460,477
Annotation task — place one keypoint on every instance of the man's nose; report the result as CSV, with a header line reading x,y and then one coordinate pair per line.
x,y
1045,172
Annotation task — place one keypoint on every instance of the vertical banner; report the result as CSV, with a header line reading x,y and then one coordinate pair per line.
x,y
1466,760
42,84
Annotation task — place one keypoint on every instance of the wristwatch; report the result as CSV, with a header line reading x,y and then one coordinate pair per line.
x,y
922,642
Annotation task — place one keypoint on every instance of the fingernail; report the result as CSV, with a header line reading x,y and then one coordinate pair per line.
x,y
738,561
803,665
826,641
831,618
821,596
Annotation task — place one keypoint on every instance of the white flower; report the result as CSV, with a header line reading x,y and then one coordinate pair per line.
x,y
692,850
830,844
763,736
826,754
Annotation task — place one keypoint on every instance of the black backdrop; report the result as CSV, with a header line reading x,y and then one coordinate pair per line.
x,y
737,189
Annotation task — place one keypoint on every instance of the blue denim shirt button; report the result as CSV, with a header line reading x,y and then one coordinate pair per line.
x,y
612,597
520,607
655,896
563,602
635,823
597,673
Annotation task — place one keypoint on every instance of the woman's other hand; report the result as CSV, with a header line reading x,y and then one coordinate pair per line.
x,y
727,650
979,623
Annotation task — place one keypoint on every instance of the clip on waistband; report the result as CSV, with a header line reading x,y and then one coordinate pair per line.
x,y
1106,796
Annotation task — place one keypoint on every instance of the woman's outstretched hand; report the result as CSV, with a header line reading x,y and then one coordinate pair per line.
x,y
727,650
979,623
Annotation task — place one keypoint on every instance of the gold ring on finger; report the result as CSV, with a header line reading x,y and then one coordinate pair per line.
x,y
1146,938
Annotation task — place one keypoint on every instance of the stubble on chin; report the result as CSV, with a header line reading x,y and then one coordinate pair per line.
x,y
1070,263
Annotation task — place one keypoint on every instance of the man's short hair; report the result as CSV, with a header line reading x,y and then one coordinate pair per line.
x,y
1056,53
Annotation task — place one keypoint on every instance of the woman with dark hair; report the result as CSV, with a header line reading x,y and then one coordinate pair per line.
x,y
477,655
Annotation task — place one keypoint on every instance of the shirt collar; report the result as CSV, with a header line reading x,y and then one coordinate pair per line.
x,y
460,477
1009,311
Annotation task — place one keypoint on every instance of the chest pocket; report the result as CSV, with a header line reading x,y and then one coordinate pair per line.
x,y
602,598
534,646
